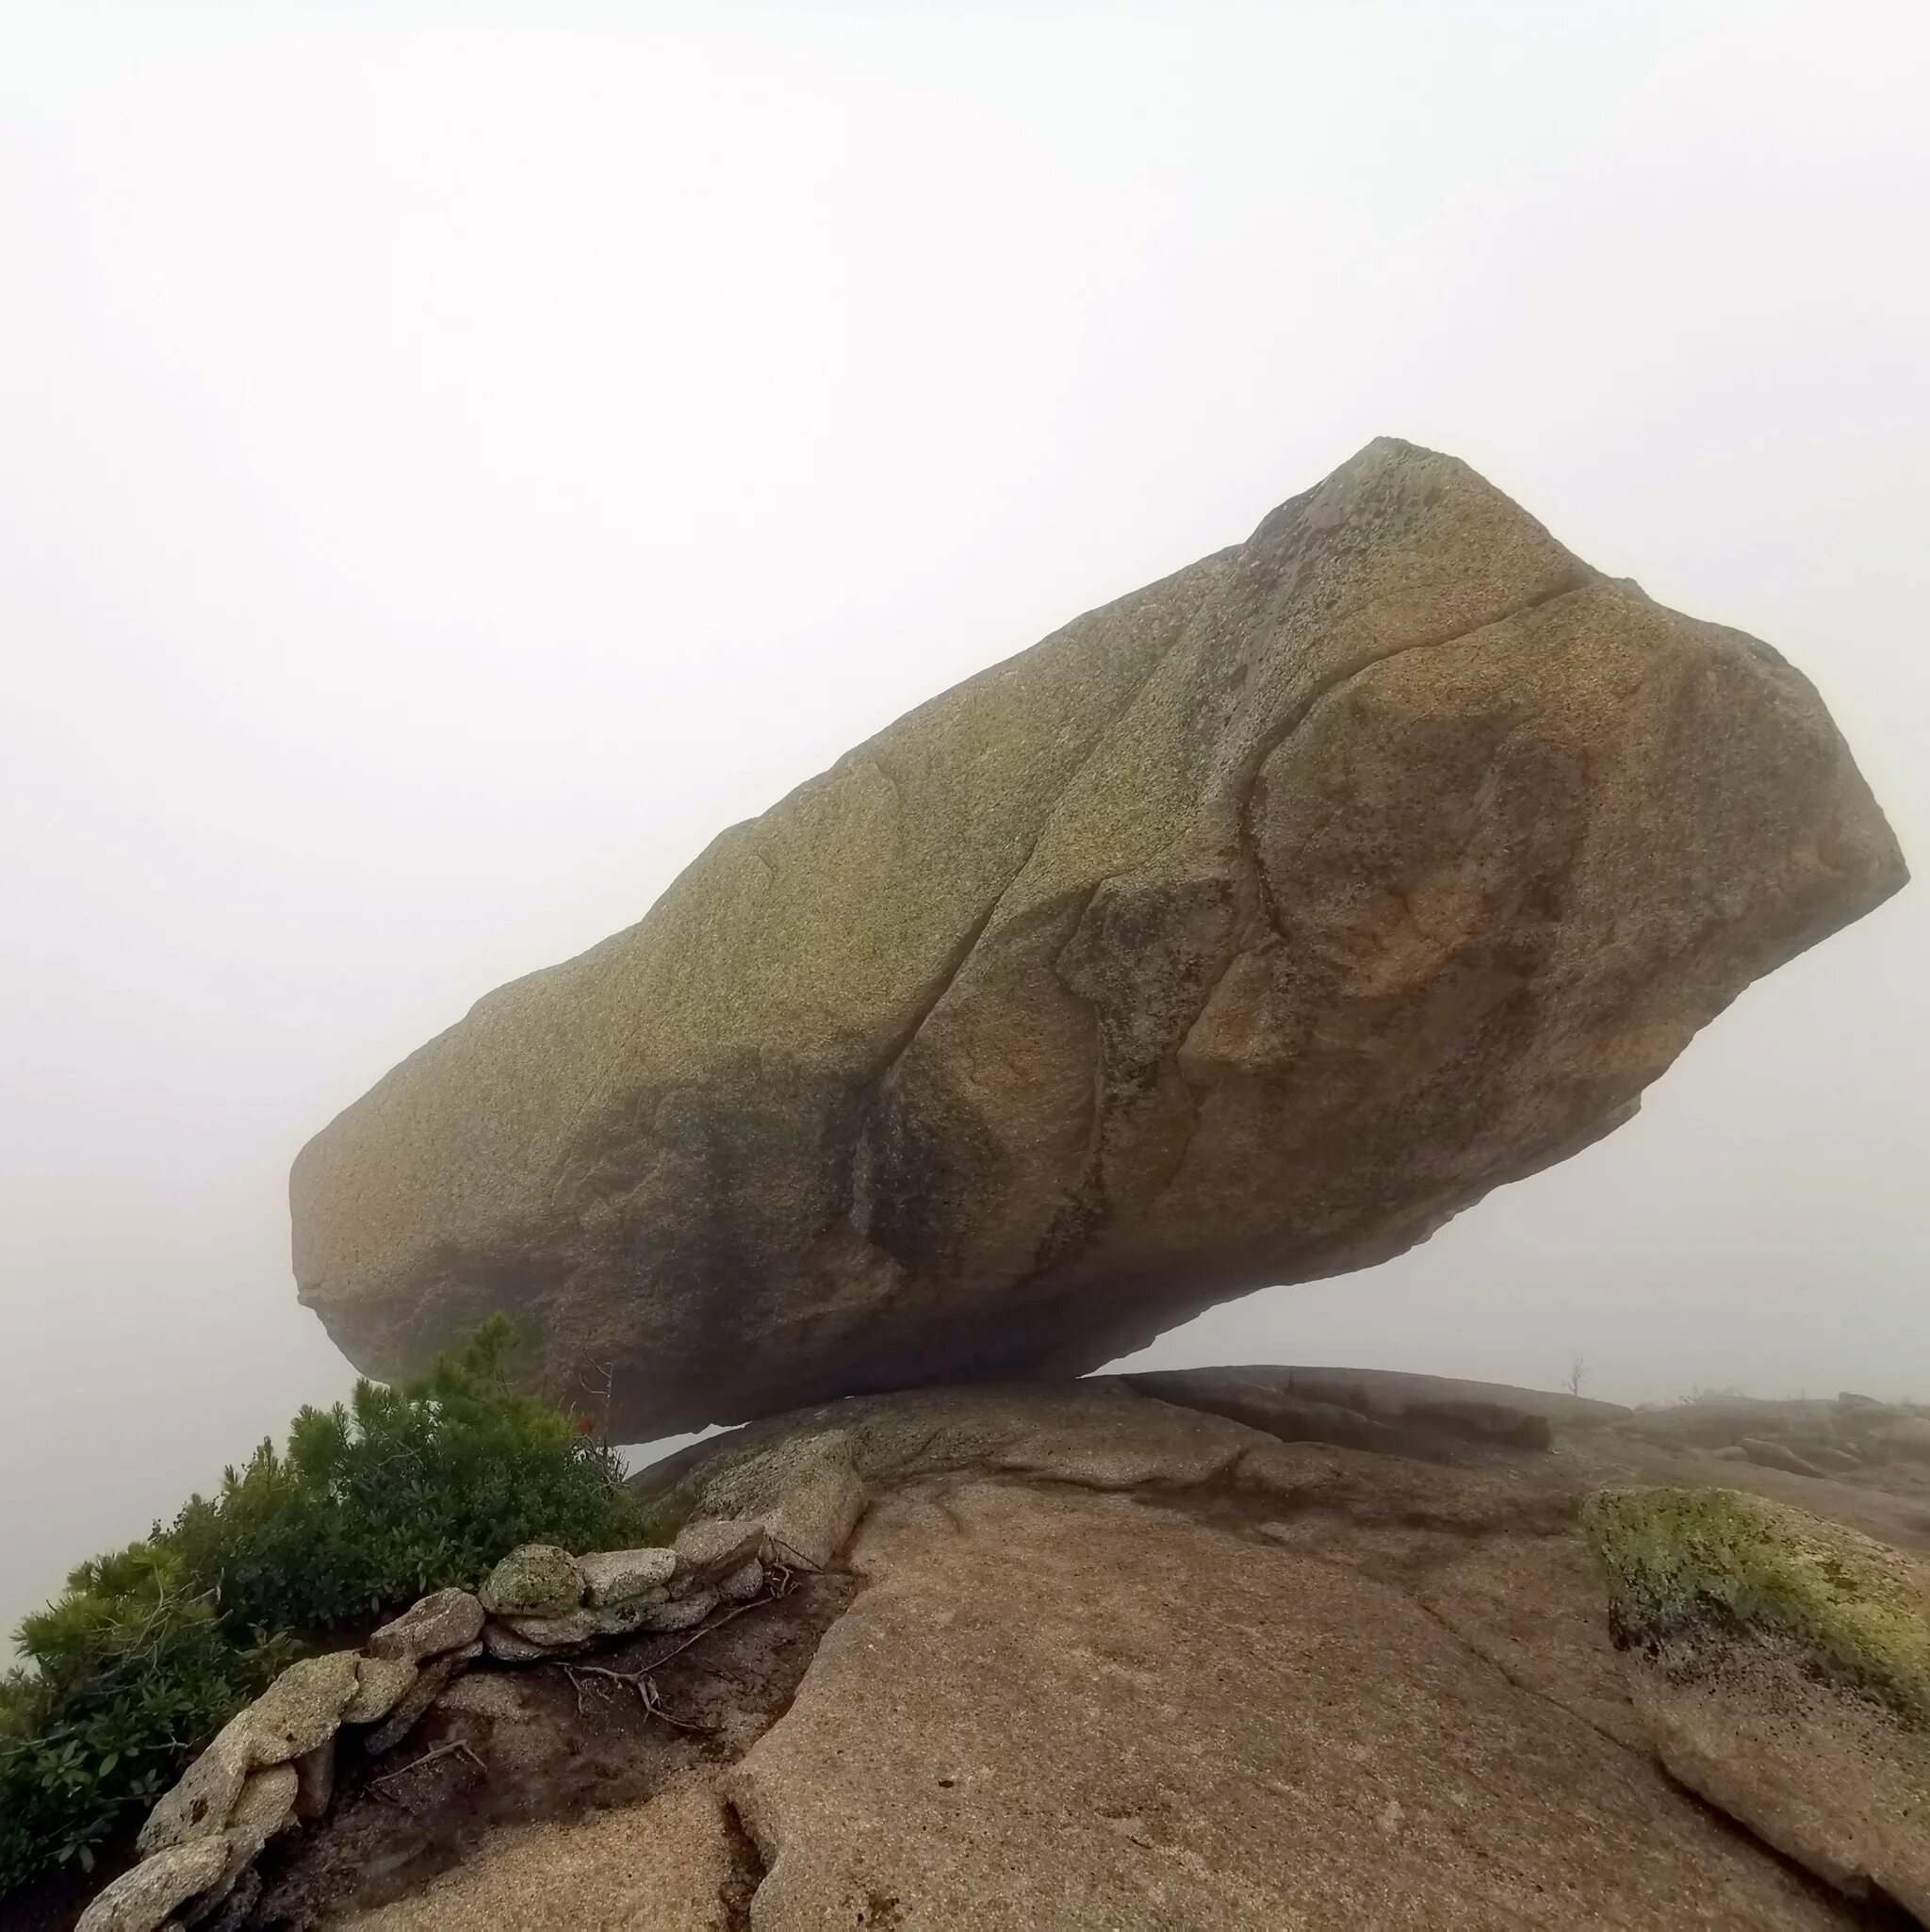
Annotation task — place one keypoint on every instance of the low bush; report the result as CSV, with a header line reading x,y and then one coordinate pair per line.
x,y
403,1490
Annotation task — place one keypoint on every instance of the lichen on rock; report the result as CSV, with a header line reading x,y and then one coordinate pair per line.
x,y
1691,1570
1781,1664
536,1580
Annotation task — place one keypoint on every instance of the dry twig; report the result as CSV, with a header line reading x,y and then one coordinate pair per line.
x,y
455,1747
641,1682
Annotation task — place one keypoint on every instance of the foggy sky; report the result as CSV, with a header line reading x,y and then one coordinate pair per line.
x,y
454,459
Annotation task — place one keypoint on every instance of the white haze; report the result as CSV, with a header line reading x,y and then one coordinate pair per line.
x,y
453,460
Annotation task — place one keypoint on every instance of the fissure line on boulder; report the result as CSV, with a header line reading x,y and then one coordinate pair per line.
x,y
1246,781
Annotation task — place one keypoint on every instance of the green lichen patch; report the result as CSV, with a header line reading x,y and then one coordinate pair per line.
x,y
1691,1568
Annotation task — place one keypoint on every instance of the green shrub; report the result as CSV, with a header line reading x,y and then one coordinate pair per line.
x,y
402,1491
1692,1571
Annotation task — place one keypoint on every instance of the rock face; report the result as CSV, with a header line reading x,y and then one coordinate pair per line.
x,y
1240,933
1119,1664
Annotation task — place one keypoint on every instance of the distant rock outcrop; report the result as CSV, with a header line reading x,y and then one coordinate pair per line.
x,y
1240,933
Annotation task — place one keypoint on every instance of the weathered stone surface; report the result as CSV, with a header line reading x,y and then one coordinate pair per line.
x,y
502,1643
743,1583
140,1899
622,1575
658,1611
380,1684
265,1807
296,1714
562,1632
432,1677
315,1775
301,1710
446,1620
1782,1664
537,1579
804,1489
1096,1433
1253,1397
711,1548
619,1619
1773,1455
198,1805
1051,1708
1377,1409
1240,933
683,1612
1477,1409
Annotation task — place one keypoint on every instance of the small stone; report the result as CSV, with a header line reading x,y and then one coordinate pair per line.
x,y
300,1710
741,1584
380,1684
139,1900
432,1678
620,1619
710,1550
537,1579
445,1621
682,1614
623,1575
265,1808
316,1781
557,1632
505,1646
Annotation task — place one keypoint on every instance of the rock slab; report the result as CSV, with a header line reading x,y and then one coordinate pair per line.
x,y
1126,1665
1240,933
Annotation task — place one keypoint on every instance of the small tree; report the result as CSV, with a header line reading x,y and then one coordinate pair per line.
x,y
400,1491
1578,1366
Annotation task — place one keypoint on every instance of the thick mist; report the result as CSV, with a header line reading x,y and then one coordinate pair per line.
x,y
458,459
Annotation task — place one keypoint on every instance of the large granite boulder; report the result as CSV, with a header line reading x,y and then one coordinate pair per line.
x,y
1241,932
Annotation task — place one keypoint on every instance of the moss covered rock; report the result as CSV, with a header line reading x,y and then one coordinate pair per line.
x,y
1782,1664
536,1580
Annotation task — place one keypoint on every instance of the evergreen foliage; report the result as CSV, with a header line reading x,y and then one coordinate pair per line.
x,y
402,1491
